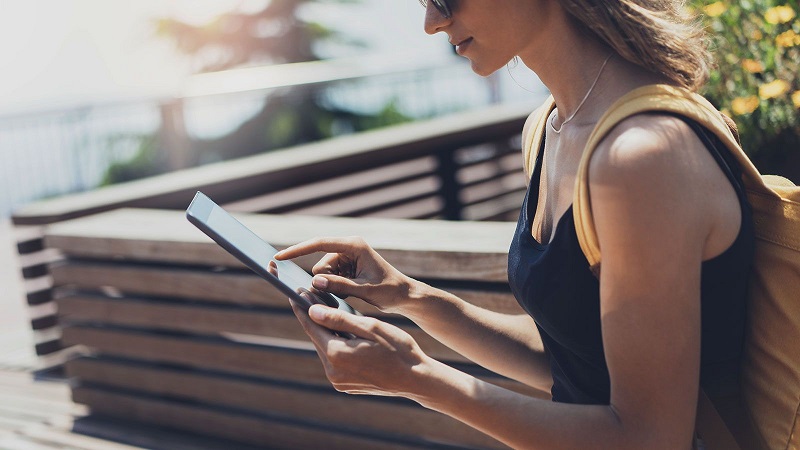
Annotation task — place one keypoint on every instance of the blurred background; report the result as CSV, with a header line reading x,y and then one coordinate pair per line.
x,y
97,92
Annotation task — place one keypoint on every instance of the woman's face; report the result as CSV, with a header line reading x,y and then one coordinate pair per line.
x,y
491,32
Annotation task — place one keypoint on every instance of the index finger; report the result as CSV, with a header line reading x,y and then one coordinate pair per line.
x,y
321,244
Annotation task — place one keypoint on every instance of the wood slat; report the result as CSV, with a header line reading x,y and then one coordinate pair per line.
x,y
423,248
508,204
209,320
373,200
424,208
322,191
28,238
322,405
264,431
54,438
34,264
234,287
38,290
484,170
299,364
495,188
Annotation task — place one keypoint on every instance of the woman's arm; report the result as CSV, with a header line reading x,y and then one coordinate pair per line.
x,y
654,231
508,344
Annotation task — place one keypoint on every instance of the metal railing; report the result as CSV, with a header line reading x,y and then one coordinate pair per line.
x,y
51,153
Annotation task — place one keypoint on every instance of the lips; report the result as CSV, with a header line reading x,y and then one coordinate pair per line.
x,y
462,46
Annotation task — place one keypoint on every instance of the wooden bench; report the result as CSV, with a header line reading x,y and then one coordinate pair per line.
x,y
176,332
464,166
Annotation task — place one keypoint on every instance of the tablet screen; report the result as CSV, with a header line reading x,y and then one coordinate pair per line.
x,y
258,255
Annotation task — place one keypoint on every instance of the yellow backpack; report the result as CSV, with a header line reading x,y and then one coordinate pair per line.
x,y
768,415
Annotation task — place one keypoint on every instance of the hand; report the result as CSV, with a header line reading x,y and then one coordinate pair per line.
x,y
379,359
352,267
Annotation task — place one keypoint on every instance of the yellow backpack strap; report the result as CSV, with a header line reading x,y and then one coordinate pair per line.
x,y
533,134
653,98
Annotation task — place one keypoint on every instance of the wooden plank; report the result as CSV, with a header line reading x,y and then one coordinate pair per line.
x,y
425,208
373,199
298,365
506,164
29,262
28,238
61,439
326,406
209,320
122,434
255,175
38,290
284,200
251,429
423,248
228,354
241,288
238,287
489,190
508,203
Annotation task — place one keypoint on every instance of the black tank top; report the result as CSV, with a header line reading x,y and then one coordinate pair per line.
x,y
554,284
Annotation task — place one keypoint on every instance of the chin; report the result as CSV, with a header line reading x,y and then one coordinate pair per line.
x,y
484,70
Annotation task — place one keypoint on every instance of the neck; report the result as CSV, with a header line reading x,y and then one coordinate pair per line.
x,y
569,64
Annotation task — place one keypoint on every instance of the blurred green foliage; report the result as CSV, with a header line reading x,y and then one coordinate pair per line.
x,y
275,34
757,50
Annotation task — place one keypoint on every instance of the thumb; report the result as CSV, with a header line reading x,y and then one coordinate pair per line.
x,y
338,285
340,321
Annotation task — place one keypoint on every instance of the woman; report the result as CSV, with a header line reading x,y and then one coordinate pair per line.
x,y
621,353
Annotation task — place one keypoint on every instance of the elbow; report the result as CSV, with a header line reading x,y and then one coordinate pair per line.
x,y
634,433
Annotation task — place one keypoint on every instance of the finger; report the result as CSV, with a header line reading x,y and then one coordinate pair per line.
x,y
328,264
336,320
323,244
272,268
341,286
319,335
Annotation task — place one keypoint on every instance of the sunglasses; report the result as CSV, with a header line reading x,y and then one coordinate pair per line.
x,y
441,6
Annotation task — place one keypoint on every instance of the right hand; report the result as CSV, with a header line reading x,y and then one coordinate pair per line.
x,y
352,268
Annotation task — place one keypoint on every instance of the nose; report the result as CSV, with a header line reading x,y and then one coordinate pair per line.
x,y
435,21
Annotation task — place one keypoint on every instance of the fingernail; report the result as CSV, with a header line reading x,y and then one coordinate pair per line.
x,y
317,312
319,282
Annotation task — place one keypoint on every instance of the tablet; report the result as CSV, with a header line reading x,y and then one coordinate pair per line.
x,y
258,255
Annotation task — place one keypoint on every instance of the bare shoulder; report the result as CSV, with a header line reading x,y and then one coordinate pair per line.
x,y
656,167
646,145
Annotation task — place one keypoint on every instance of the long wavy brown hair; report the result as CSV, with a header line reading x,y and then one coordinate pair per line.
x,y
659,35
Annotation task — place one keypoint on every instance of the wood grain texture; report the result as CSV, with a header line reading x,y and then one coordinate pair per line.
x,y
239,287
323,405
426,248
213,320
270,432
276,359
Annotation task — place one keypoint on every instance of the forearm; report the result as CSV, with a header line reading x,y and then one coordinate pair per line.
x,y
507,344
524,422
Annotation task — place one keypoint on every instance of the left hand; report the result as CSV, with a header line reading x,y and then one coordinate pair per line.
x,y
381,360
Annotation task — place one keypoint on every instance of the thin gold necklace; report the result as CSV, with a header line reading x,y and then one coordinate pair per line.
x,y
585,97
